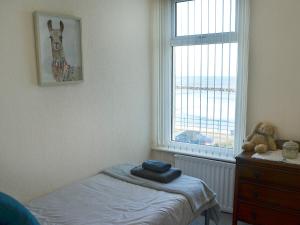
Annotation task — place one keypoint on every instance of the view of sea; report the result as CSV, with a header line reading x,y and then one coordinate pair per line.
x,y
205,104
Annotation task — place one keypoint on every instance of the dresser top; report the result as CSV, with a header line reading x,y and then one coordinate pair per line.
x,y
246,158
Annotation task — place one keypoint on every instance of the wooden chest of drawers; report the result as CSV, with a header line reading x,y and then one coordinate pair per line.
x,y
266,192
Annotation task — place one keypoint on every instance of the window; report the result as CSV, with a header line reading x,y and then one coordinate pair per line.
x,y
203,90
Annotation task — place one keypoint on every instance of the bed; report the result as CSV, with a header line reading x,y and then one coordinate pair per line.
x,y
115,197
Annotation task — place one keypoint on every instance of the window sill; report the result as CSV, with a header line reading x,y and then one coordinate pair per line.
x,y
194,154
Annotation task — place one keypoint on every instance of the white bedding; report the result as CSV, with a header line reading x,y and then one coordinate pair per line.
x,y
103,200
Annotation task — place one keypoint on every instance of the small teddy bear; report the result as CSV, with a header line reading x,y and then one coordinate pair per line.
x,y
261,139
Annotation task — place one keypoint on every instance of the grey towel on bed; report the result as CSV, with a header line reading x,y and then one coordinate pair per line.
x,y
198,194
164,177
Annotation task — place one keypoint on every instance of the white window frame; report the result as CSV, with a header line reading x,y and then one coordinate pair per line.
x,y
164,40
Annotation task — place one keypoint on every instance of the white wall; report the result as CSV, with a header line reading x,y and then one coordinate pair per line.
x,y
274,70
51,136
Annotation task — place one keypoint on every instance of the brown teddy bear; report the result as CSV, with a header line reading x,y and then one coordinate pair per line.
x,y
261,139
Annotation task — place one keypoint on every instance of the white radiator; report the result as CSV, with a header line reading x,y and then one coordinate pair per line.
x,y
219,176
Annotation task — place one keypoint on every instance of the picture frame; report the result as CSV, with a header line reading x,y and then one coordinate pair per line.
x,y
58,41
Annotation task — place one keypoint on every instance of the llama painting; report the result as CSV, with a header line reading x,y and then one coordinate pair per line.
x,y
58,45
61,70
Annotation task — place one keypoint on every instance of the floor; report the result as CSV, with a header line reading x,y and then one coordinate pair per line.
x,y
225,220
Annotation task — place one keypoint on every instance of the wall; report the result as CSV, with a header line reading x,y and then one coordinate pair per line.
x,y
274,75
51,136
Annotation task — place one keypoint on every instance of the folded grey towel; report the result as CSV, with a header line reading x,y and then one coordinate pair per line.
x,y
165,177
156,166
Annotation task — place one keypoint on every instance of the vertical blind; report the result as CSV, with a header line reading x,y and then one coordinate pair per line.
x,y
204,73
200,76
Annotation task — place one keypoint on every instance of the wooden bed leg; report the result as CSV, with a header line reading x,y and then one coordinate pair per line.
x,y
206,218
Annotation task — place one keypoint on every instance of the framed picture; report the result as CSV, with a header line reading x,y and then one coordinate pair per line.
x,y
58,48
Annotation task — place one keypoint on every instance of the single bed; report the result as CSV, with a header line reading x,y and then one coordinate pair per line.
x,y
115,197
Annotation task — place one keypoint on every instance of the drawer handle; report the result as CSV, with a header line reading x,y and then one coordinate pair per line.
x,y
256,175
253,215
275,205
255,194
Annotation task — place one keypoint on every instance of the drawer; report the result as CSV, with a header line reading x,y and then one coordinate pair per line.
x,y
269,176
263,216
272,197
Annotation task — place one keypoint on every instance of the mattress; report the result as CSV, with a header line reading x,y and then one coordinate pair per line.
x,y
105,200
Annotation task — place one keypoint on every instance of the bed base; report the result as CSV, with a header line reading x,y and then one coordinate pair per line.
x,y
206,218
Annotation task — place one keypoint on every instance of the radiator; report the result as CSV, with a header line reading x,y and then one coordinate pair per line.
x,y
219,176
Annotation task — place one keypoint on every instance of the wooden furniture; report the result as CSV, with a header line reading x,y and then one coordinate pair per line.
x,y
266,192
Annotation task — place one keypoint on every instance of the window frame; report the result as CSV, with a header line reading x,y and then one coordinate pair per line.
x,y
210,38
164,107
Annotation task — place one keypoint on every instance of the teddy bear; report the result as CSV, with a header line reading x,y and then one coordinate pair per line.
x,y
261,139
